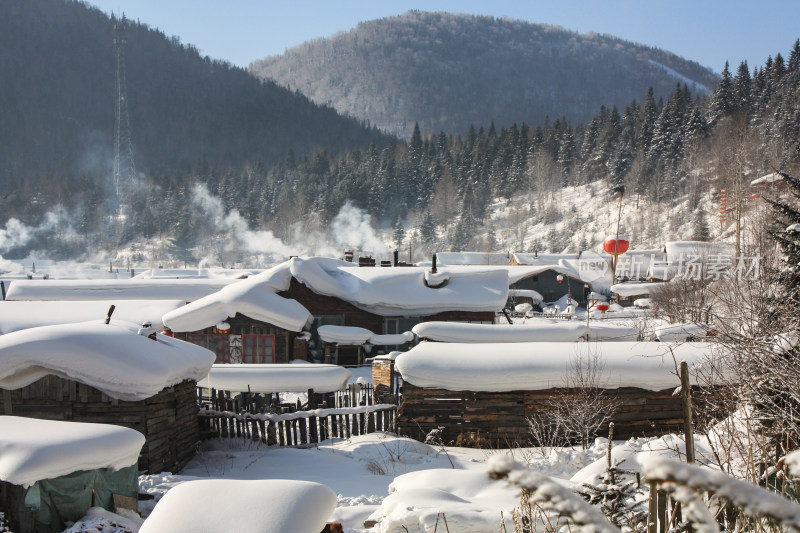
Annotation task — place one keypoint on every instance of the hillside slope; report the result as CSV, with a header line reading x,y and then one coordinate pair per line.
x,y
58,100
448,71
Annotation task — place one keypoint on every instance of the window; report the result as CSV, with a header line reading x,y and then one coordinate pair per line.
x,y
258,349
395,326
237,348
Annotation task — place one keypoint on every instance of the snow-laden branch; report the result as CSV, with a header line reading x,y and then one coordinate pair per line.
x,y
753,500
550,496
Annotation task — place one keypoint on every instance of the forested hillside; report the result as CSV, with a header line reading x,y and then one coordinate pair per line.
x,y
447,71
57,102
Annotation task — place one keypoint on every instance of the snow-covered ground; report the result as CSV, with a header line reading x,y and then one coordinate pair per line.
x,y
402,484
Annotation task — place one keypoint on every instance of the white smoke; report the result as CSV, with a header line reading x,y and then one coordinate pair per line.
x,y
15,234
352,227
230,237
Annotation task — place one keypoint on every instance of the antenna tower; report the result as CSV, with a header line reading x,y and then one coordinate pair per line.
x,y
124,169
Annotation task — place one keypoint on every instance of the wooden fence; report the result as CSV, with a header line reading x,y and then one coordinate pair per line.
x,y
356,394
298,428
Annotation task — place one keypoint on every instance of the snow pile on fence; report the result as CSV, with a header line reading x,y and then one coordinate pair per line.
x,y
112,358
543,365
276,378
252,506
15,316
34,449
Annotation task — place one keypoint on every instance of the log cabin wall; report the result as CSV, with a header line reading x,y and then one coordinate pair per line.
x,y
498,419
168,420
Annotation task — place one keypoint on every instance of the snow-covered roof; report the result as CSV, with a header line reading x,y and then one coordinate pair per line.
x,y
112,358
254,297
406,291
541,259
186,273
626,290
473,258
533,330
526,293
679,332
15,316
244,506
34,449
115,289
352,336
276,378
767,179
678,251
543,365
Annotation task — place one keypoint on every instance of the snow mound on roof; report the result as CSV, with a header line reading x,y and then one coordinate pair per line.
x,y
33,449
470,500
107,289
543,365
211,506
112,358
626,290
679,332
388,291
277,378
253,297
15,316
353,336
534,330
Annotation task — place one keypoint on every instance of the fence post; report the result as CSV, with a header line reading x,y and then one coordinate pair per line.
x,y
688,433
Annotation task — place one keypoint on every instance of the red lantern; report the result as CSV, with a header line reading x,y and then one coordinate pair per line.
x,y
223,328
603,306
621,244
559,278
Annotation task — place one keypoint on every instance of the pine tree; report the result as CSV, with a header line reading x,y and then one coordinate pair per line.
x,y
723,101
399,233
427,230
701,231
787,233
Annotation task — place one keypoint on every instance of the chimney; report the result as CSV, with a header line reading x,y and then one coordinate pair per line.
x,y
3,289
396,257
433,264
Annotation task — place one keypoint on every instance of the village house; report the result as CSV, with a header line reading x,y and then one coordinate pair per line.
x,y
275,316
483,394
108,372
52,472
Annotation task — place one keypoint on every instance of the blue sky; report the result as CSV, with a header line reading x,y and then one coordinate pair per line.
x,y
707,31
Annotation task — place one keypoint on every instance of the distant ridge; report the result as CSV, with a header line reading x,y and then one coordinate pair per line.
x,y
447,71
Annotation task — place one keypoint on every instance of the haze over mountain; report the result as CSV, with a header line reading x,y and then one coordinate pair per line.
x,y
58,101
447,71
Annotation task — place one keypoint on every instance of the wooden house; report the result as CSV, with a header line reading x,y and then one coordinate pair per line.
x,y
483,394
275,316
108,373
53,472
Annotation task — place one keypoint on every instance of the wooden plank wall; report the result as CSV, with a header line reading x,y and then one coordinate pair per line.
x,y
498,419
168,420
